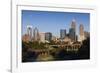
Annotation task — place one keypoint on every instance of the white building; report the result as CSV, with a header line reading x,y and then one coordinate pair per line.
x,y
81,33
36,34
42,37
29,31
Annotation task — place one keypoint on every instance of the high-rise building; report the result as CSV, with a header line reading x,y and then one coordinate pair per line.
x,y
81,29
42,37
72,35
73,24
81,32
36,34
62,33
29,32
72,31
48,36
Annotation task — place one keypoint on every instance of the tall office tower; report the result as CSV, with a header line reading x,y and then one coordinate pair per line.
x,y
72,35
62,33
29,32
42,37
81,32
72,31
73,24
81,29
36,34
48,36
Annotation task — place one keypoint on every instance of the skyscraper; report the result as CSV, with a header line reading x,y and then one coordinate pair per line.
x,y
81,32
36,34
42,37
81,29
48,36
72,35
73,24
72,30
29,32
62,33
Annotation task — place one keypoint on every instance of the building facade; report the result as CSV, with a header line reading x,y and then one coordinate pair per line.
x,y
36,36
73,24
72,31
72,35
48,36
81,32
29,32
62,33
42,37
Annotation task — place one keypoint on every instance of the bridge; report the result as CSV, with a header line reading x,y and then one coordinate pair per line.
x,y
51,48
67,46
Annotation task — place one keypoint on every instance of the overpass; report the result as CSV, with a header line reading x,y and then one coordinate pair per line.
x,y
68,48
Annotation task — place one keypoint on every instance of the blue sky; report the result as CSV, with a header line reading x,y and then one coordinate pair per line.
x,y
48,21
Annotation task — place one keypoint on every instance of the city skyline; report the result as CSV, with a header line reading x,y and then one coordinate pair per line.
x,y
55,36
47,21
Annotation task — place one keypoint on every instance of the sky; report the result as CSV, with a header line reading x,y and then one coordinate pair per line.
x,y
49,21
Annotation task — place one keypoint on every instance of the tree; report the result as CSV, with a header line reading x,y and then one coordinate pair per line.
x,y
84,51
